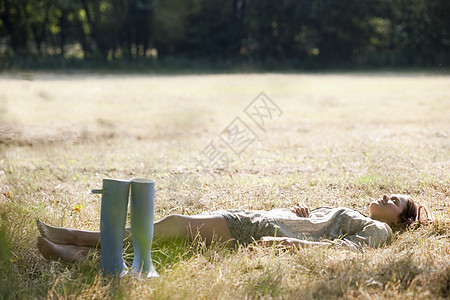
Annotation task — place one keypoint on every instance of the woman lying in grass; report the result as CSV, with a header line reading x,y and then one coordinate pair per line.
x,y
297,227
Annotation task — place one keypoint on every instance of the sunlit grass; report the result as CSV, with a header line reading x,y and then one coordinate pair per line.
x,y
341,140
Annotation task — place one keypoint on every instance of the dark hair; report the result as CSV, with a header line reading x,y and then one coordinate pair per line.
x,y
413,214
408,216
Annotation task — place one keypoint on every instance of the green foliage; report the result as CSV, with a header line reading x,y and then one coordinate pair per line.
x,y
305,33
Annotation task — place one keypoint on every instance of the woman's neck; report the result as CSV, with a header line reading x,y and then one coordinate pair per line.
x,y
380,220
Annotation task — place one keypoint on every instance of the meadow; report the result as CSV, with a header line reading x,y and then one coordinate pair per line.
x,y
340,140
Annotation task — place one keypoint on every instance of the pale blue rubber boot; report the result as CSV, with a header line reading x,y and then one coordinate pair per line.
x,y
113,216
142,202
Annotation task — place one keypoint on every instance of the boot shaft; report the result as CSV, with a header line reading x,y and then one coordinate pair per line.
x,y
141,216
113,216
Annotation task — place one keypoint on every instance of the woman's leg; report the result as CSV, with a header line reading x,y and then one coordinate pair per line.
x,y
207,227
67,253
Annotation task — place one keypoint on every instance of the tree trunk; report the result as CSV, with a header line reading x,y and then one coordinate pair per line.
x,y
63,33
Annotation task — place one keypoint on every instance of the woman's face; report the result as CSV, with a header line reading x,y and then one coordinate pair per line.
x,y
388,208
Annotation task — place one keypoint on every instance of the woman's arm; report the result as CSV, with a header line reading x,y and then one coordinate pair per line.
x,y
291,242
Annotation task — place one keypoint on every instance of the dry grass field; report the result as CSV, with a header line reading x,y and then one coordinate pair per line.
x,y
341,139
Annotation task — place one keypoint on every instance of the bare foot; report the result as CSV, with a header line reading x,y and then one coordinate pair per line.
x,y
68,236
56,235
46,248
67,253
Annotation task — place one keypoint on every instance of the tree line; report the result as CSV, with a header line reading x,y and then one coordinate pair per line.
x,y
306,32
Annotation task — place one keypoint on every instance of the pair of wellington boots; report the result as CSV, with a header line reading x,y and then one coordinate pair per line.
x,y
115,194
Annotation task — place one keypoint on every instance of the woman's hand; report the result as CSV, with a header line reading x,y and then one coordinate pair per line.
x,y
289,242
279,241
301,210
